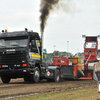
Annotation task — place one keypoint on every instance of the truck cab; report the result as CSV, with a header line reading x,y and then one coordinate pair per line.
x,y
20,55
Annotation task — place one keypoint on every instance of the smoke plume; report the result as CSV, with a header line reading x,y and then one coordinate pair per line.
x,y
45,7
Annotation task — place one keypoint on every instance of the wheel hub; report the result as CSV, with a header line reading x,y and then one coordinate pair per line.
x,y
37,74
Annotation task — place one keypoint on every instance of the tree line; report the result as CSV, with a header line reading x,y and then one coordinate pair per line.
x,y
60,54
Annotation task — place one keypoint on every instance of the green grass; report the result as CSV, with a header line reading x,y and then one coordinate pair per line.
x,y
79,94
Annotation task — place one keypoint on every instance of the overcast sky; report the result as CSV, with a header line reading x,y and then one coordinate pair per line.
x,y
73,19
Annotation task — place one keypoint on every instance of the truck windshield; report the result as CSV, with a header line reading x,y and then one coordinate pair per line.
x,y
13,41
90,45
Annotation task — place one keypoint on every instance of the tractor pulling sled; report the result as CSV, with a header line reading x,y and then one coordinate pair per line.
x,y
21,57
72,68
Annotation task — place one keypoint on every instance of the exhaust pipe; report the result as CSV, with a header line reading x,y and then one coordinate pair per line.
x,y
42,47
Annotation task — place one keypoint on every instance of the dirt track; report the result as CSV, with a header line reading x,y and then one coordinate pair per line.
x,y
19,87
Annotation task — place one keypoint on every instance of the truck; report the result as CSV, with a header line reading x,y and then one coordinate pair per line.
x,y
21,57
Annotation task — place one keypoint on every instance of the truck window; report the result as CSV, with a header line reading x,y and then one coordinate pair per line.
x,y
33,46
90,45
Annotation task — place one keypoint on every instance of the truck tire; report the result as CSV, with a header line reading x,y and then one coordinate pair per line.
x,y
36,76
5,79
57,76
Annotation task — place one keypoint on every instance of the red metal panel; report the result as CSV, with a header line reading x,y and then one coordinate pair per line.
x,y
75,70
87,77
93,54
60,61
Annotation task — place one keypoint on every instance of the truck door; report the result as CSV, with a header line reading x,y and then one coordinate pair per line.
x,y
34,49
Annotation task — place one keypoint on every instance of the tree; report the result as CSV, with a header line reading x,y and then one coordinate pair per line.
x,y
56,53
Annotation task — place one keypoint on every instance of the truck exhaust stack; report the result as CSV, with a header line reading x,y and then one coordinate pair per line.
x,y
42,46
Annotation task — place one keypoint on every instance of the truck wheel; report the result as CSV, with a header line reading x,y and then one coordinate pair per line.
x,y
5,79
36,76
57,76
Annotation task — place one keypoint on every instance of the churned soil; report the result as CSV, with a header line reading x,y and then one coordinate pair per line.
x,y
19,87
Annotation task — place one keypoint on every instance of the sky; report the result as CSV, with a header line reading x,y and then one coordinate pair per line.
x,y
65,26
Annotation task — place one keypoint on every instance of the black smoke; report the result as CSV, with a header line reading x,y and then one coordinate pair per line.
x,y
45,7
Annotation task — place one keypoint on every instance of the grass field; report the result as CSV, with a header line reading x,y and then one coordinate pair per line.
x,y
90,93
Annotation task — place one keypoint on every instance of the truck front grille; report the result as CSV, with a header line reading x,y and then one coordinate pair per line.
x,y
12,58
